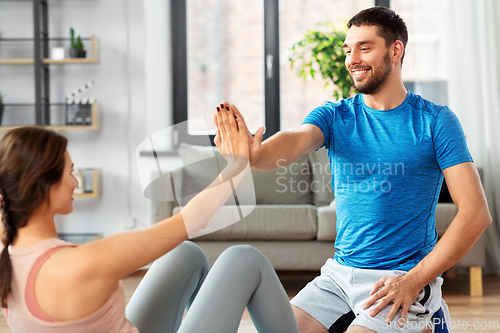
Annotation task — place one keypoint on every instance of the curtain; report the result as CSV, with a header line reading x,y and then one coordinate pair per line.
x,y
473,46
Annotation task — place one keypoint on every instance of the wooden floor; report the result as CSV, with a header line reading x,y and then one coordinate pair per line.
x,y
465,310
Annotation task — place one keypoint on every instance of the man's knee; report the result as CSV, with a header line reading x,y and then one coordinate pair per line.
x,y
307,323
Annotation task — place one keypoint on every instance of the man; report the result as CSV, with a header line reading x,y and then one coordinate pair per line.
x,y
389,150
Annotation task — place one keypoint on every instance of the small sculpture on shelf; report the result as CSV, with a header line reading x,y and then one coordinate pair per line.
x,y
79,111
79,177
85,178
76,50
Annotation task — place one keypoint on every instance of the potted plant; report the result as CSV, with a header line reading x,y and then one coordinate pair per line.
x,y
76,50
322,50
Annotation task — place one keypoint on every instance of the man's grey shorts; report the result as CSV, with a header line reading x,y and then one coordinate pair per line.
x,y
335,298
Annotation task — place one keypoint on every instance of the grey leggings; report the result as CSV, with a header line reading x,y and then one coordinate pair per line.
x,y
241,277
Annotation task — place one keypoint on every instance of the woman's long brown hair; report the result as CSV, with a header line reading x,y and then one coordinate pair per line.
x,y
31,161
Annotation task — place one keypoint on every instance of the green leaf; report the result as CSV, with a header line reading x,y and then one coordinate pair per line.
x,y
322,48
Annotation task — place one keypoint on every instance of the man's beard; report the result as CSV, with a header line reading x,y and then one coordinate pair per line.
x,y
377,80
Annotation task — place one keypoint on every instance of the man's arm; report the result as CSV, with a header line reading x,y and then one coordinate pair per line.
x,y
471,221
288,146
284,146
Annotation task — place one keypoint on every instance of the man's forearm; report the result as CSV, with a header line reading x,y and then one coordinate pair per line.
x,y
277,151
463,232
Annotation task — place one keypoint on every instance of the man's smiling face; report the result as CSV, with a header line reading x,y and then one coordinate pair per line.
x,y
367,58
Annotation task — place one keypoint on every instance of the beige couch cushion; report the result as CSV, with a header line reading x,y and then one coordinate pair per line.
x,y
327,222
268,222
284,186
290,185
321,185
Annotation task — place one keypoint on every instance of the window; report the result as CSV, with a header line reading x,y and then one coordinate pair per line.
x,y
238,51
424,65
298,98
219,52
225,57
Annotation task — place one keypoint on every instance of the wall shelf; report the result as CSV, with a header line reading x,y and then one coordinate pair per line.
x,y
39,51
92,176
79,238
23,49
63,117
17,61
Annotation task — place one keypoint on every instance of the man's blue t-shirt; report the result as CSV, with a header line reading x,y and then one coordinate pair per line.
x,y
386,175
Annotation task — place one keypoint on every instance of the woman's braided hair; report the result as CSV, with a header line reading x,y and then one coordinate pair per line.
x,y
31,161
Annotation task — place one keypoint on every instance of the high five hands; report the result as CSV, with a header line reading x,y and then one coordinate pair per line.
x,y
223,140
200,213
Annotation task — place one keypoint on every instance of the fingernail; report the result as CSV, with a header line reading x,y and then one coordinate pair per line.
x,y
222,106
388,321
218,109
364,307
227,107
372,313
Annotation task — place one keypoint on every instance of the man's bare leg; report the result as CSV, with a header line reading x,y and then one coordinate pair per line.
x,y
307,323
361,329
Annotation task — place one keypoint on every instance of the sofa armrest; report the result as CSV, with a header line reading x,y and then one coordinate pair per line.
x,y
445,213
160,210
476,256
327,222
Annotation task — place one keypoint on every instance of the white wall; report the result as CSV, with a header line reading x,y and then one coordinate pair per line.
x,y
120,89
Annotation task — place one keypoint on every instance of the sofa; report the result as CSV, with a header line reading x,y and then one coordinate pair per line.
x,y
294,220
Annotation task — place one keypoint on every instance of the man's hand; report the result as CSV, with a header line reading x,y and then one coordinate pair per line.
x,y
400,291
254,141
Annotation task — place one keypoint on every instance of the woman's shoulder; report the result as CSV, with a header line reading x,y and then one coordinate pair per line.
x,y
38,248
67,286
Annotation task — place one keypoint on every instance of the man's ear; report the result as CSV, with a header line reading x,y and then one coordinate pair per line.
x,y
397,51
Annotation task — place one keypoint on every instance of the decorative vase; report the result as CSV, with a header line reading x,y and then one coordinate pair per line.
x,y
74,53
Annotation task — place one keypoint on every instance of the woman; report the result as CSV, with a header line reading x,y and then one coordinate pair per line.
x,y
48,285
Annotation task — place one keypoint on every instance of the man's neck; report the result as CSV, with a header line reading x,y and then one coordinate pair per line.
x,y
389,96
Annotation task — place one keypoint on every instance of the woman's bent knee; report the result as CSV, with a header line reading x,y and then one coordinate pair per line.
x,y
188,253
193,252
243,251
190,248
243,255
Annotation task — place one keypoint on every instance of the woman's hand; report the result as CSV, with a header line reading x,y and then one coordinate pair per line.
x,y
254,141
231,133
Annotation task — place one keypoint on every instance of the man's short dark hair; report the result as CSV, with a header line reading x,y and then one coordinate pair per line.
x,y
390,26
